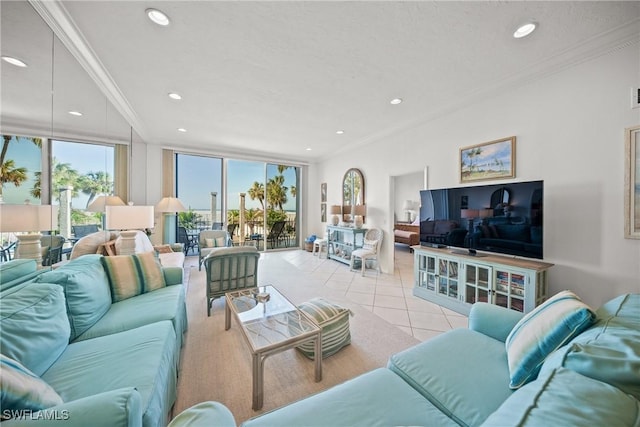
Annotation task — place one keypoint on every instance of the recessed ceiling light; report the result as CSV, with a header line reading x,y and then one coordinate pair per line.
x,y
524,30
182,130
340,132
396,101
75,113
308,149
174,95
14,61
158,17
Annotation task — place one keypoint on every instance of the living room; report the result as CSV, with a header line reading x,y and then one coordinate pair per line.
x,y
568,112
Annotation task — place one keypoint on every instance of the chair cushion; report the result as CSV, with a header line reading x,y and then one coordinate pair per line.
x,y
86,289
334,322
34,324
22,389
542,331
131,275
565,398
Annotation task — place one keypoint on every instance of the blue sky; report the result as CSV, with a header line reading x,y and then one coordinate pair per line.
x,y
198,176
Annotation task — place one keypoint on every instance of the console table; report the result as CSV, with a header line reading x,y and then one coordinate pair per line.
x,y
457,281
342,241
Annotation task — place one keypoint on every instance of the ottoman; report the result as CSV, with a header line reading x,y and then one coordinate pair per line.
x,y
334,322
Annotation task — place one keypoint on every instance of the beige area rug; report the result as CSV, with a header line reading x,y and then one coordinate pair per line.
x,y
216,364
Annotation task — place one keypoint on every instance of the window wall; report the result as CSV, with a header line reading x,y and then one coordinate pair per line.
x,y
199,187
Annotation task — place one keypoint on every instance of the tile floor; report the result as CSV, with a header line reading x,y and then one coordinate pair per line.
x,y
386,295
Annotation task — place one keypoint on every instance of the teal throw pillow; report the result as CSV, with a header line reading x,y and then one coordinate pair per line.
x,y
131,275
542,331
21,389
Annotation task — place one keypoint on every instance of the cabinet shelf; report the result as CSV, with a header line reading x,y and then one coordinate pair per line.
x,y
458,281
342,241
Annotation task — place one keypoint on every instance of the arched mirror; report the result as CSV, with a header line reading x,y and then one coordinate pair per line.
x,y
352,193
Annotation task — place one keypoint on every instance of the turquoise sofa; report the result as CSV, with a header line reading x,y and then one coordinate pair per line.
x,y
112,364
461,378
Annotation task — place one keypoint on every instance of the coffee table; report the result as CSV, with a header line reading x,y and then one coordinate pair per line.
x,y
270,324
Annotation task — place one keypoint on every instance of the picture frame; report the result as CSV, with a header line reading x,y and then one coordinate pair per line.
x,y
632,183
323,192
323,212
488,161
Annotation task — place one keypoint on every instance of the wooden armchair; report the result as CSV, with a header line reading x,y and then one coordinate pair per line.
x,y
229,269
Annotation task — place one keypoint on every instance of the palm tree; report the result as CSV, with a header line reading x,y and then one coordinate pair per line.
x,y
9,173
251,216
95,183
64,175
257,192
276,192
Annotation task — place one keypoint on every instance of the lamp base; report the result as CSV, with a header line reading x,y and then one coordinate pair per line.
x,y
357,221
128,242
335,219
29,247
408,216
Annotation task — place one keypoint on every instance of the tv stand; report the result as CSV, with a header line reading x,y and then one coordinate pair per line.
x,y
456,279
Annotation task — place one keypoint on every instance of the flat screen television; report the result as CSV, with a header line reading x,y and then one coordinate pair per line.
x,y
500,218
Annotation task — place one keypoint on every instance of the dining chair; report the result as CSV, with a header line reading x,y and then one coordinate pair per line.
x,y
369,250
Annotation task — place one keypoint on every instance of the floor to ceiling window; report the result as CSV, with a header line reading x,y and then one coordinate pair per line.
x,y
199,187
258,204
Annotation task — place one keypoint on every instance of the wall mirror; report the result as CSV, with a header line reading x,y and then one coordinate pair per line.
x,y
37,100
352,193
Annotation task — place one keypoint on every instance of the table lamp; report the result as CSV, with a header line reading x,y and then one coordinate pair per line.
x,y
359,211
100,203
128,219
30,220
169,205
335,210
407,206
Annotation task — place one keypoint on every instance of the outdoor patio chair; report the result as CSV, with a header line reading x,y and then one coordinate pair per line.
x,y
188,242
209,240
52,249
229,269
276,233
79,231
6,251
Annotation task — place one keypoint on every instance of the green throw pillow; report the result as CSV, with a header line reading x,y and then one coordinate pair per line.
x,y
21,389
334,322
131,275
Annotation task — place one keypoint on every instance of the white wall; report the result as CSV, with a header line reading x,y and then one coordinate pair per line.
x,y
570,133
406,187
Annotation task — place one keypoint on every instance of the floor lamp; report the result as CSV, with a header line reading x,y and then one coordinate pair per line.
x,y
169,205
30,220
129,219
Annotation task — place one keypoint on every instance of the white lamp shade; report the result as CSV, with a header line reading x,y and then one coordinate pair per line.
x,y
28,218
100,203
407,205
129,217
170,204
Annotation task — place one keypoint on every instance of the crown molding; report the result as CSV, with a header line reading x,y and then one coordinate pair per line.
x,y
58,19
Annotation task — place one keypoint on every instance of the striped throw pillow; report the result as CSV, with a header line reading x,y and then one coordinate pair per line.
x,y
538,334
21,389
131,275
334,322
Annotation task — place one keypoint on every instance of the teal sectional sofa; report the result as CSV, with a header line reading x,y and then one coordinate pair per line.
x,y
111,363
462,378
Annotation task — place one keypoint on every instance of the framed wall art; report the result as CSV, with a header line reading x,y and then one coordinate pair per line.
x,y
323,192
632,183
489,160
323,212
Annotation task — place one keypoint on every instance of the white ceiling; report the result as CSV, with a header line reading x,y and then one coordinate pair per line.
x,y
274,78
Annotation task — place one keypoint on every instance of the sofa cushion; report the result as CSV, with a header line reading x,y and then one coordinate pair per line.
x,y
518,232
22,389
376,398
333,319
443,227
207,413
542,331
426,227
144,358
86,290
609,351
131,275
34,325
164,304
13,270
448,369
565,398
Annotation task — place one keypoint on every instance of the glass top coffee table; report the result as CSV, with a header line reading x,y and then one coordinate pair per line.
x,y
270,323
